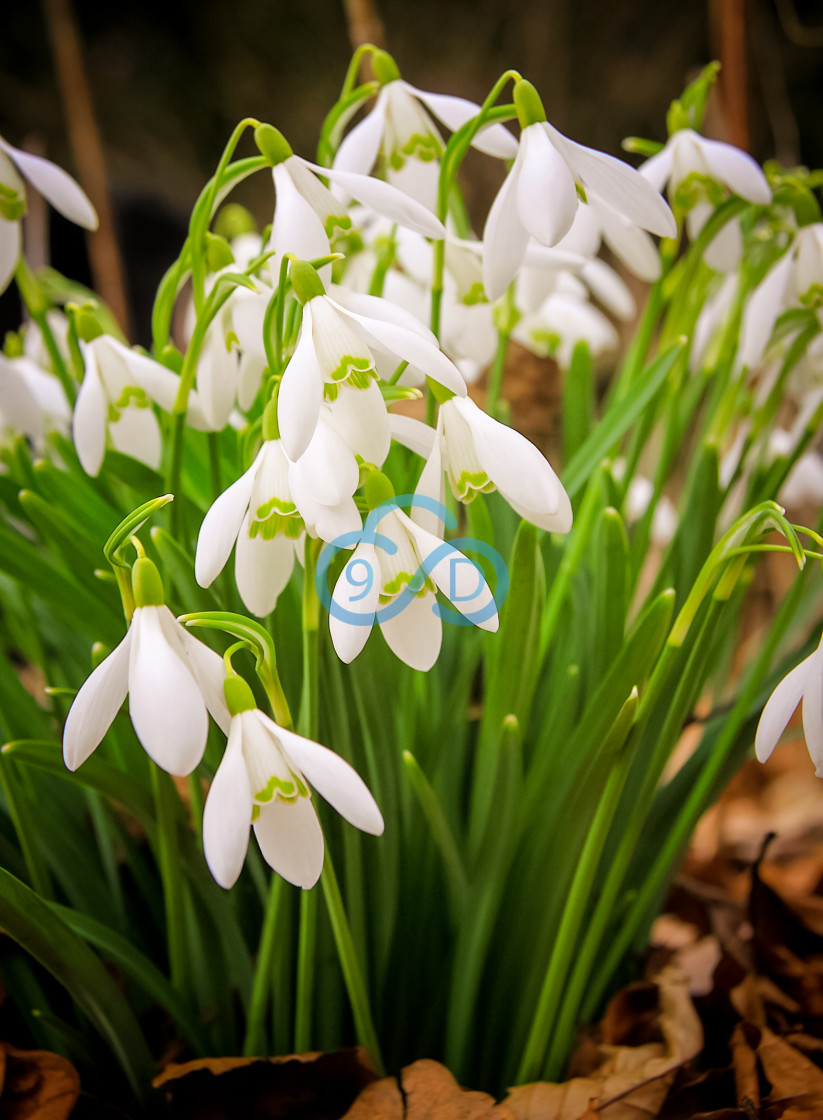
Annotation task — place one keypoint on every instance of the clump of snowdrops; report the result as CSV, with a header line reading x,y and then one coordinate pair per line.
x,y
504,825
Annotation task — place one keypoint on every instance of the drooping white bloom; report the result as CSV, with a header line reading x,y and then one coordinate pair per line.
x,y
599,222
805,682
539,199
391,579
784,285
400,132
55,185
263,782
563,319
115,400
31,400
338,334
478,455
307,211
687,153
172,680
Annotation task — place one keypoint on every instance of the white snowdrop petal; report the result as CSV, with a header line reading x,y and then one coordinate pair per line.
x,y
762,309
658,168
354,602
546,194
18,405
504,236
522,475
606,286
55,185
360,147
334,779
418,179
375,307
296,227
227,815
779,708
633,246
327,468
262,569
813,709
221,526
411,433
460,579
206,666
618,184
736,168
494,140
89,421
301,394
158,382
386,200
725,250
408,346
96,705
415,634
137,434
431,487
360,418
10,245
166,707
291,840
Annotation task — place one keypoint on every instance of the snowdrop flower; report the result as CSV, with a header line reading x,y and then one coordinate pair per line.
x,y
55,185
539,197
788,280
115,400
172,680
32,401
258,513
307,212
598,222
805,682
263,782
686,154
400,132
335,346
563,319
391,579
479,455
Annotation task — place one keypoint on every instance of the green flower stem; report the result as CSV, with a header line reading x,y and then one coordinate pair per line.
x,y
352,975
309,700
678,834
166,803
202,214
32,296
254,1044
306,944
496,373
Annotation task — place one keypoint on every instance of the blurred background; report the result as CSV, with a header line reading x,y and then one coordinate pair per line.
x,y
138,98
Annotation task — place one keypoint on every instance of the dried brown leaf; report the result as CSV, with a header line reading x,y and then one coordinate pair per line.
x,y
311,1086
795,1080
632,1081
37,1085
433,1094
744,1063
382,1100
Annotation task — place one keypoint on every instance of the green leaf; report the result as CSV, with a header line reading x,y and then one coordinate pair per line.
x,y
130,525
619,419
35,927
578,401
121,952
611,578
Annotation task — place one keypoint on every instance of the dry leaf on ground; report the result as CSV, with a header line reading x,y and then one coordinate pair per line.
x,y
36,1085
632,1081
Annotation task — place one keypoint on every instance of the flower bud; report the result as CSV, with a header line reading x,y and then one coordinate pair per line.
x,y
305,281
528,104
273,145
146,584
239,697
384,67
233,221
218,252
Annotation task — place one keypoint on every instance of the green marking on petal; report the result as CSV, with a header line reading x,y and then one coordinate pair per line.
x,y
280,786
697,187
471,483
425,148
134,396
476,294
418,584
255,813
350,366
337,221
